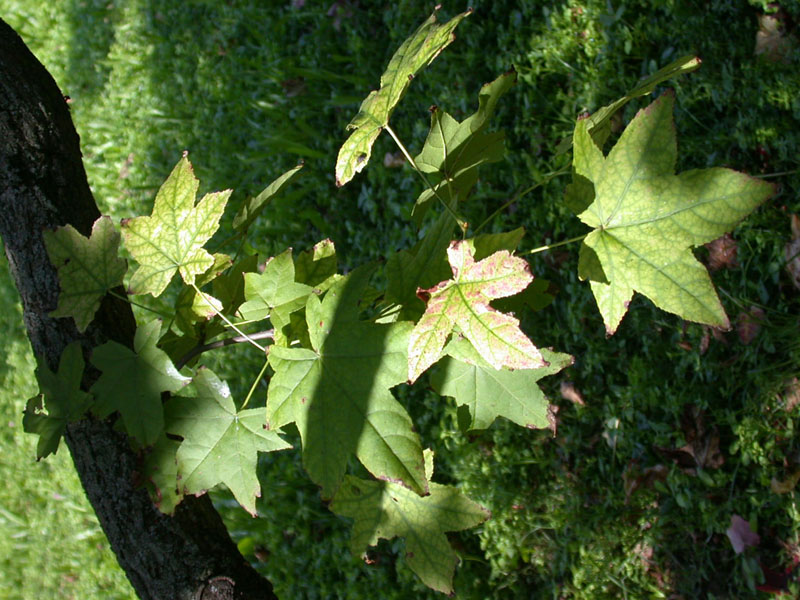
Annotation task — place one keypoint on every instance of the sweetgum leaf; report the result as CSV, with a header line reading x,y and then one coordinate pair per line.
x,y
338,392
314,266
132,382
416,53
598,123
161,470
171,239
63,398
453,151
463,302
419,267
87,268
250,210
387,510
490,393
646,219
274,293
220,444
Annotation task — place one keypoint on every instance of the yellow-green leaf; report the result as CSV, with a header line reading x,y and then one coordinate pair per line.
x,y
646,219
417,52
171,239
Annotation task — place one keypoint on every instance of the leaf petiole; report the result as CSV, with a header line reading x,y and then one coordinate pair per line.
x,y
463,225
547,178
255,384
224,318
142,306
551,246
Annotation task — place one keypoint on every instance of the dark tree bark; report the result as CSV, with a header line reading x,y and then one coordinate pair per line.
x,y
43,185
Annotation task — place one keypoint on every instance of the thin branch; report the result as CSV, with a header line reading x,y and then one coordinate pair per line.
x,y
239,339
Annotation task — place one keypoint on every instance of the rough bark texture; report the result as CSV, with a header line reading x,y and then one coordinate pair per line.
x,y
43,185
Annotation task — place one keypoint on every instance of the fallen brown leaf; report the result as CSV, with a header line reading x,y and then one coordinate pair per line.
x,y
748,324
571,393
722,253
792,252
702,446
740,534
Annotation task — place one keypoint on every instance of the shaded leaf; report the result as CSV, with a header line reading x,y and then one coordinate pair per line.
x,y
453,151
419,267
702,445
132,383
252,207
489,392
87,268
463,302
60,393
171,239
338,392
646,219
161,470
417,52
220,444
386,510
314,266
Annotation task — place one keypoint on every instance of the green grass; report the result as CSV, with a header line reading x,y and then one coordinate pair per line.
x,y
150,78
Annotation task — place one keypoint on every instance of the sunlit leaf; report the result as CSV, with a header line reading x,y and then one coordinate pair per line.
x,y
387,510
417,52
171,239
87,268
463,303
646,219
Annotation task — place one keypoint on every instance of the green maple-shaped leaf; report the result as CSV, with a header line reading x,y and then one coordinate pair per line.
x,y
63,398
386,510
417,52
419,267
220,444
463,302
646,219
171,239
453,151
87,268
132,383
338,392
489,393
314,266
161,470
250,210
274,293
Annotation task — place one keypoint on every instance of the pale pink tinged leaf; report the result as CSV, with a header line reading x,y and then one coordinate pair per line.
x,y
463,302
740,534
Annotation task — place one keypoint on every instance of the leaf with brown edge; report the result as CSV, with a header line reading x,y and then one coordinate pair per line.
x,y
462,303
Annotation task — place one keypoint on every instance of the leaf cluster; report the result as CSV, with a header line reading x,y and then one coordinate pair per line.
x,y
334,346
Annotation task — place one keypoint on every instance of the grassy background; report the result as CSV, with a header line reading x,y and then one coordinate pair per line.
x,y
252,87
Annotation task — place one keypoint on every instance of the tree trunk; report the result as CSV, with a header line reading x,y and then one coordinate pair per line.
x,y
43,185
